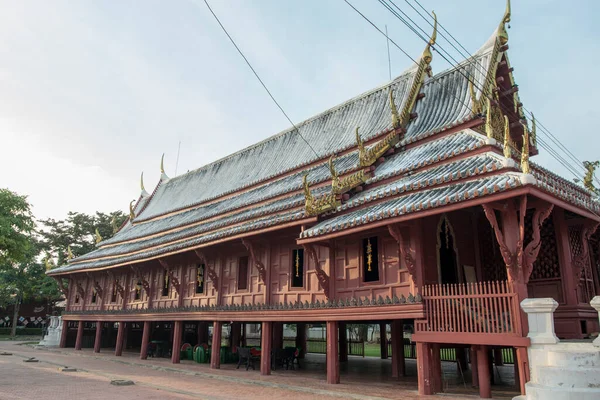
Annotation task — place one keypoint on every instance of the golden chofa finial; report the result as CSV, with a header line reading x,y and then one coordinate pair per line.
x,y
162,164
359,142
131,213
507,151
98,237
395,116
427,56
525,151
142,182
335,179
113,224
47,263
69,253
533,131
307,193
502,32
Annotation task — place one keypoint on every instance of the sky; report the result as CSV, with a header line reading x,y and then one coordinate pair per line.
x,y
92,93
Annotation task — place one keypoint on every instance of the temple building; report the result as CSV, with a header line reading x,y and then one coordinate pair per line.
x,y
420,209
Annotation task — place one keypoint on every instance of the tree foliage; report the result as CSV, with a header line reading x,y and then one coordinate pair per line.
x,y
16,226
78,232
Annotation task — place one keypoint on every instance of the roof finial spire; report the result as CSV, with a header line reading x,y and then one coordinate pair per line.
x,y
69,253
131,213
335,179
113,224
98,237
142,182
502,33
162,164
507,151
533,131
525,151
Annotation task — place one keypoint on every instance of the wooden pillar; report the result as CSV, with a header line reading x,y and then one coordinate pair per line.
x,y
203,332
301,339
333,362
474,370
266,342
79,335
398,365
177,333
424,368
63,334
516,369
436,369
215,354
236,334
98,339
523,360
120,335
145,340
126,335
498,357
343,335
461,357
277,335
485,388
383,340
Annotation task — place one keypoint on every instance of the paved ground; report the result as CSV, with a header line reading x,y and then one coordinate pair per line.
x,y
159,379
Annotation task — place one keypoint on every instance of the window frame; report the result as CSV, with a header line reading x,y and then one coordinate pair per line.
x,y
238,280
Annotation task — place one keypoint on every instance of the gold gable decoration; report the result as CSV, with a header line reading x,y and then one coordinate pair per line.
x,y
318,205
525,151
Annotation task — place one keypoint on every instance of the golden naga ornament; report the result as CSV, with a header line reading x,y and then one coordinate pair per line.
x,y
502,32
525,151
318,205
369,255
131,213
98,237
588,178
297,264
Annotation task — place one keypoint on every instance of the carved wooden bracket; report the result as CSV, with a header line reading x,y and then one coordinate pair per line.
x,y
519,260
61,286
581,260
172,277
80,290
98,288
210,270
321,275
404,247
262,271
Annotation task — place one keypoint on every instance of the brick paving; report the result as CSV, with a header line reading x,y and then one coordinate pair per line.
x,y
159,379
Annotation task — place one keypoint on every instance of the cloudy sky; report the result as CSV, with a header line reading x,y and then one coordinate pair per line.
x,y
93,92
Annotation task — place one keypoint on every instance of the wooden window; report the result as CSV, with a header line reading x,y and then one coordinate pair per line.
x,y
76,298
298,268
370,260
113,296
138,290
166,284
94,296
243,273
200,278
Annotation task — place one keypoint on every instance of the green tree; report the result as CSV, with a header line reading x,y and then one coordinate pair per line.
x,y
16,226
78,231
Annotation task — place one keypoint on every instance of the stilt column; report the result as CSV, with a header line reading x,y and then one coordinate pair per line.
x,y
145,340
98,339
474,369
203,332
485,388
63,335
266,342
177,333
383,340
436,368
398,367
301,339
343,342
215,354
236,334
333,363
79,335
424,368
120,336
277,335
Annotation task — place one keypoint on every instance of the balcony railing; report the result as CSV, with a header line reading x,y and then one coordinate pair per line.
x,y
482,307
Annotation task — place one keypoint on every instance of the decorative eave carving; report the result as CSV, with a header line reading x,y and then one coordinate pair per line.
x,y
318,205
404,247
139,277
519,262
262,271
98,288
116,284
322,276
171,274
80,289
580,261
368,156
344,185
210,271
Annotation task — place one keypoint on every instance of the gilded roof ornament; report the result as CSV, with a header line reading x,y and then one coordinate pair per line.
x,y
335,179
98,237
525,151
427,56
395,117
142,182
533,131
588,179
502,33
475,105
318,205
507,150
69,253
131,213
48,263
162,164
113,224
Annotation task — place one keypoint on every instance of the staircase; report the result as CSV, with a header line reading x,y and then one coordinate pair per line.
x,y
571,372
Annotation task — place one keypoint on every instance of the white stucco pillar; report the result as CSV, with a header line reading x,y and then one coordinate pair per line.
x,y
540,314
596,304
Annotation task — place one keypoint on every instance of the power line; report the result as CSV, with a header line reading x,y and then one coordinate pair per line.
x,y
258,77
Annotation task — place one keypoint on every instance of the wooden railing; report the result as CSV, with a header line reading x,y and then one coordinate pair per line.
x,y
482,307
